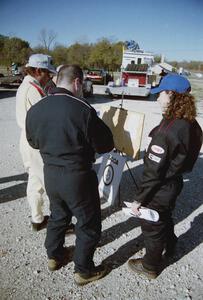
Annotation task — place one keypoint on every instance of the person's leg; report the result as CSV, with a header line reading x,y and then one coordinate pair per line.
x,y
88,231
34,196
35,186
154,239
158,235
60,214
83,201
57,225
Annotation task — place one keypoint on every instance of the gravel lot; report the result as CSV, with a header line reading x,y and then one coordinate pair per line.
x,y
23,263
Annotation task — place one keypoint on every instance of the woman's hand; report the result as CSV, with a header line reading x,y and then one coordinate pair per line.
x,y
135,207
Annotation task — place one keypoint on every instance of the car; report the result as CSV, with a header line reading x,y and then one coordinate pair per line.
x,y
98,76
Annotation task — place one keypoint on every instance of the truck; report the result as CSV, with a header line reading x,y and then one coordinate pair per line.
x,y
98,76
134,77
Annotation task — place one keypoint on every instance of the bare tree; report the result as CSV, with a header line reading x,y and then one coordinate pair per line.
x,y
46,38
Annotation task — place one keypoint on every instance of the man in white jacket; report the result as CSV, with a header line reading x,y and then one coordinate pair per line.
x,y
32,90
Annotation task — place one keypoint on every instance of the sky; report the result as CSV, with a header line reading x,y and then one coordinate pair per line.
x,y
173,28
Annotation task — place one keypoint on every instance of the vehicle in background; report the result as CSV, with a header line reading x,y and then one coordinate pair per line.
x,y
87,87
12,78
98,76
135,72
11,81
15,69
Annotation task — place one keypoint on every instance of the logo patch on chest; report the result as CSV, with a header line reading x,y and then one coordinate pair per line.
x,y
157,149
154,157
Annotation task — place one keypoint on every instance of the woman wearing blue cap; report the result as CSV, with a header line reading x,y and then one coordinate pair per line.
x,y
173,150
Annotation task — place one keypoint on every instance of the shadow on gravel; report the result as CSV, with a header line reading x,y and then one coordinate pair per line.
x,y
122,255
191,196
189,240
98,99
16,191
20,177
189,200
7,94
13,193
117,230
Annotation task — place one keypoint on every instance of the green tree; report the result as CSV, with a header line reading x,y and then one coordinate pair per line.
x,y
100,53
3,38
60,55
15,50
116,57
41,49
157,58
79,54
107,55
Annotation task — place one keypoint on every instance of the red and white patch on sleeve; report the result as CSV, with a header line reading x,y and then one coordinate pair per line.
x,y
157,149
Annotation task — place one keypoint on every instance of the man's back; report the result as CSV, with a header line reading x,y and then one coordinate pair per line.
x,y
66,130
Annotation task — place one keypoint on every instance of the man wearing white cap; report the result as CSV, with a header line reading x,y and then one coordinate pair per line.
x,y
39,69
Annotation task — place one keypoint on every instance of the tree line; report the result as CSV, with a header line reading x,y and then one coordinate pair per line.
x,y
102,54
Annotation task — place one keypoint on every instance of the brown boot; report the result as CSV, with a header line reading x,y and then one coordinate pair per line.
x,y
55,264
136,265
95,274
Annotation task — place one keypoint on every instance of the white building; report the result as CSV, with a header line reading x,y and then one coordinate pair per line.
x,y
137,57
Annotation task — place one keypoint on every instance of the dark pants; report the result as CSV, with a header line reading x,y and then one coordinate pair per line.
x,y
73,193
158,235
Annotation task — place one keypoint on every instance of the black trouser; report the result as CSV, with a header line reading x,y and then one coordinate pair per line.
x,y
159,234
73,193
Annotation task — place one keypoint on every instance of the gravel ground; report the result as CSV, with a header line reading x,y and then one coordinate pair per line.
x,y
23,263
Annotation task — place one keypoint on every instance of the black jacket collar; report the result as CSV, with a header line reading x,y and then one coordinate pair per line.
x,y
58,90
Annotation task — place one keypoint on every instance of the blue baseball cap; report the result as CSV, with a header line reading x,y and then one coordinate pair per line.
x,y
173,82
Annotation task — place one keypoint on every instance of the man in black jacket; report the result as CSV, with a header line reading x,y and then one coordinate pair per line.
x,y
68,132
173,151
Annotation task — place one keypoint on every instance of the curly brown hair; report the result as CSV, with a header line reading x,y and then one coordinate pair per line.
x,y
181,106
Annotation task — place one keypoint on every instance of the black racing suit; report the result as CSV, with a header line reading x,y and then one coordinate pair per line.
x,y
68,132
173,150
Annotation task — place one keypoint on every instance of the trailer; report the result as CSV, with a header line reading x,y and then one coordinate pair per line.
x,y
134,79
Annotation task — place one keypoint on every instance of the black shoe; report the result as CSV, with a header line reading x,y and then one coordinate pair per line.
x,y
136,265
70,229
95,274
40,226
